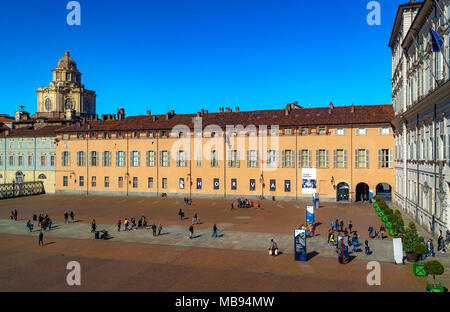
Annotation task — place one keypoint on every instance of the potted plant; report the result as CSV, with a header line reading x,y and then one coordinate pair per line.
x,y
434,268
410,239
421,250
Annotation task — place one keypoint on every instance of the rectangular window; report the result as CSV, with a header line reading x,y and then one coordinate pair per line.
x,y
252,158
120,182
106,181
181,159
322,130
164,158
52,160
11,160
288,158
384,131
150,182
151,159
94,181
106,159
385,158
287,131
1,160
81,181
81,159
305,158
361,131
304,131
234,159
340,158
65,159
135,182
30,160
20,160
94,159
272,159
164,183
339,131
120,159
43,160
214,159
322,158
361,158
65,181
135,160
198,158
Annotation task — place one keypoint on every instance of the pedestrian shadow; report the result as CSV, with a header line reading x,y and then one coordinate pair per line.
x,y
220,235
311,255
165,233
49,243
197,236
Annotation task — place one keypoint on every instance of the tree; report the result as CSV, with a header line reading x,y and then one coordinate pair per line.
x,y
434,268
411,238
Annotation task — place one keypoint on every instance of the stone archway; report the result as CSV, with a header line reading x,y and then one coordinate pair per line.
x,y
342,192
384,190
362,191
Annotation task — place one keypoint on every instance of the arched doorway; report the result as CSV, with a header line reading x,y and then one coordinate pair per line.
x,y
342,192
384,190
19,177
362,191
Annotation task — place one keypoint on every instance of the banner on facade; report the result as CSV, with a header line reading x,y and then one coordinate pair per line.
x,y
309,181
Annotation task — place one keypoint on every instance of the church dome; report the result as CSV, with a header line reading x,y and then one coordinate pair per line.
x,y
66,62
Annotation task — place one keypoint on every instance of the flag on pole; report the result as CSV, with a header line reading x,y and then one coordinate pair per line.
x,y
436,41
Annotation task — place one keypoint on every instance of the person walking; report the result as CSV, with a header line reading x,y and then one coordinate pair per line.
x,y
126,223
431,247
119,224
370,229
232,206
382,231
332,225
337,226
259,205
29,226
159,229
441,243
41,239
72,216
191,231
341,225
181,214
350,225
154,229
15,214
93,226
214,233
66,216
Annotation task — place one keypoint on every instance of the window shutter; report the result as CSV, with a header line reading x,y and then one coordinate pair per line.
x,y
238,159
345,159
367,158
117,159
283,158
147,160
229,158
380,158
248,159
356,159
390,158
317,159
327,159
334,159
138,159
444,148
168,158
310,158
160,158
292,164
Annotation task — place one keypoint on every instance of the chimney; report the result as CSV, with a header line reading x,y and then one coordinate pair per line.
x,y
236,109
120,113
220,109
352,109
228,110
202,111
104,117
154,118
149,113
206,111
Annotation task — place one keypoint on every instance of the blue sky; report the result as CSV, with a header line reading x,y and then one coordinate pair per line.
x,y
187,55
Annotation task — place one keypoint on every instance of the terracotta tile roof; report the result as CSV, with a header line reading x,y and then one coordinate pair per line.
x,y
30,132
4,119
340,115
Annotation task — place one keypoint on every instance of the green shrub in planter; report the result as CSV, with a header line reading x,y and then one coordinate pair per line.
x,y
392,232
410,239
420,249
384,219
388,225
434,268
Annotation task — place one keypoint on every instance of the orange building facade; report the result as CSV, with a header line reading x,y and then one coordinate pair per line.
x,y
342,153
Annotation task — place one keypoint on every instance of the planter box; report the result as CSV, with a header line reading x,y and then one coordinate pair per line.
x,y
419,269
435,287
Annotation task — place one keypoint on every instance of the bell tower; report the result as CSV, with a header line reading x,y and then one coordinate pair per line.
x,y
65,93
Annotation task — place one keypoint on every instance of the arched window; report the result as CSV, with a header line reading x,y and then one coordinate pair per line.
x,y
69,103
48,104
42,176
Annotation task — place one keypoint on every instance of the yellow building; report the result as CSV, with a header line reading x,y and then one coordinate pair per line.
x,y
342,153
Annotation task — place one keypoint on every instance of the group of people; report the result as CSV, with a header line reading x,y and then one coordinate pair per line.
x,y
67,215
188,201
140,224
310,230
339,235
374,233
245,203
45,222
